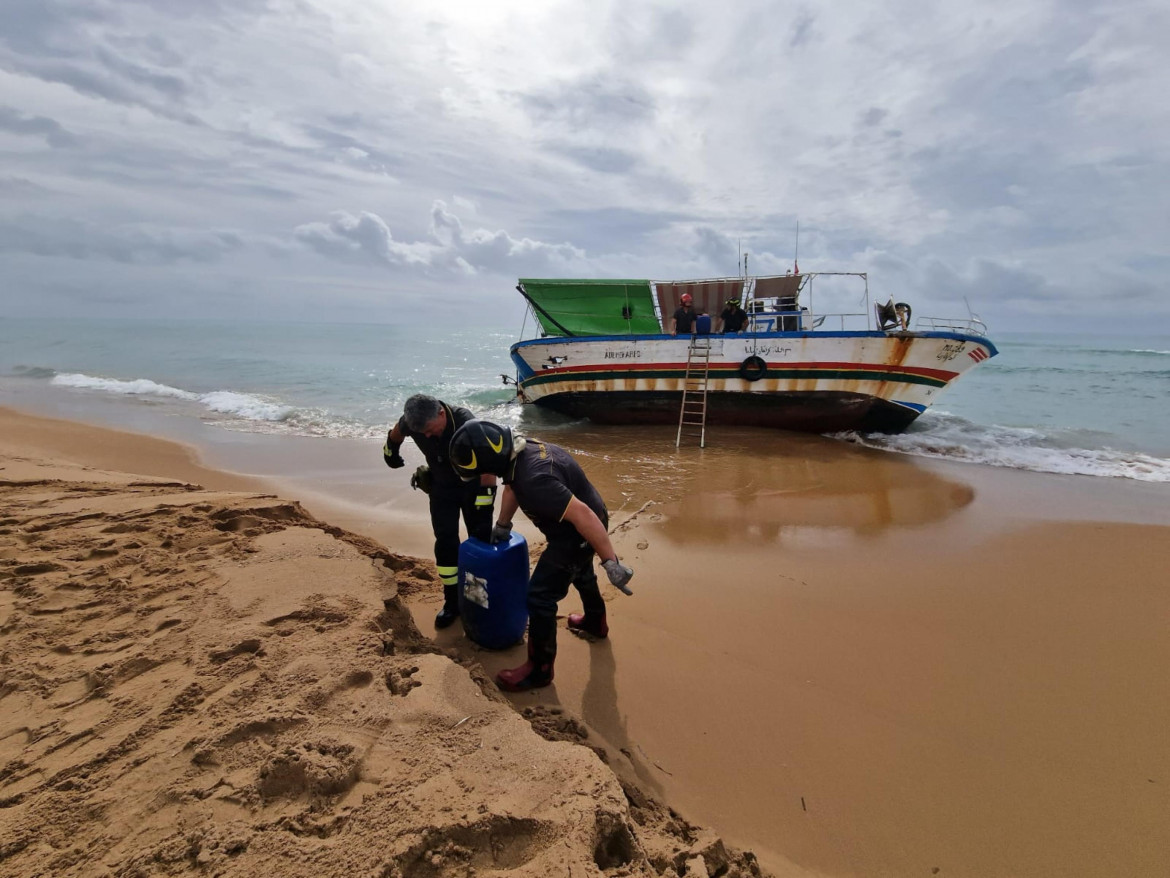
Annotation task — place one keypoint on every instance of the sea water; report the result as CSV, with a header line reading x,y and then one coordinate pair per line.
x,y
1089,405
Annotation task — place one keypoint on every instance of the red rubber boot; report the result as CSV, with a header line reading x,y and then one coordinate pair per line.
x,y
535,673
596,627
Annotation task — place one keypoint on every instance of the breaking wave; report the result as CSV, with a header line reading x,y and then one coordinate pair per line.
x,y
942,435
228,402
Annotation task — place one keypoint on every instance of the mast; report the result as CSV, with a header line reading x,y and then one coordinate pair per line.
x,y
796,251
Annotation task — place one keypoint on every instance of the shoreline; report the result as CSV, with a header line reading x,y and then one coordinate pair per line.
x,y
865,664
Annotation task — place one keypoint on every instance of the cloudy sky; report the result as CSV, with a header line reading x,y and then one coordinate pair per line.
x,y
390,160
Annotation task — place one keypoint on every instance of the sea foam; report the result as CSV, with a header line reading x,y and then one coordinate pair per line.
x,y
943,435
136,387
229,402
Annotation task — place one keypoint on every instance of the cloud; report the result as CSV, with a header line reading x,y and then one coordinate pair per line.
x,y
453,250
591,102
37,126
607,160
802,31
716,248
1005,152
19,186
364,237
138,244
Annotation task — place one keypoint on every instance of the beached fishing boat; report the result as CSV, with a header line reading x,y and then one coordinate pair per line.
x,y
603,351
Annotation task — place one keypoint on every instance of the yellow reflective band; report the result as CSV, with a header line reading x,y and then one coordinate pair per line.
x,y
449,575
484,500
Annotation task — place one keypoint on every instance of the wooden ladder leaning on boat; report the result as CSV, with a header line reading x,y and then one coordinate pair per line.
x,y
693,411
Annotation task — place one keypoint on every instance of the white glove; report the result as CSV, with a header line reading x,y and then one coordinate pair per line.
x,y
619,574
501,533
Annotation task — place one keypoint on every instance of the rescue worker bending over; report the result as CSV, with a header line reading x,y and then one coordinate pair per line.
x,y
431,424
549,485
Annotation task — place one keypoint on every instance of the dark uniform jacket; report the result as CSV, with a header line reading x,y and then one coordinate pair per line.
x,y
436,450
545,478
734,319
684,320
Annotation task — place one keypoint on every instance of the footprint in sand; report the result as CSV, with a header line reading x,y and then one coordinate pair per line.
x,y
399,682
252,646
320,768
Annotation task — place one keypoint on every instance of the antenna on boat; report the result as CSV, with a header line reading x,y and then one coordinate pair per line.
x,y
796,251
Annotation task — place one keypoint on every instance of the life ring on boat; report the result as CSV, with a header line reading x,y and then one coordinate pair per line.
x,y
753,368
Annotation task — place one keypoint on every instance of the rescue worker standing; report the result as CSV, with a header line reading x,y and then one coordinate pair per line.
x,y
549,485
684,317
733,318
431,424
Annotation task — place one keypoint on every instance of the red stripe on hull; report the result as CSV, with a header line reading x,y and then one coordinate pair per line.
x,y
936,374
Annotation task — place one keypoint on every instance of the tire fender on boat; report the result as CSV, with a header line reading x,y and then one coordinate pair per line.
x,y
753,368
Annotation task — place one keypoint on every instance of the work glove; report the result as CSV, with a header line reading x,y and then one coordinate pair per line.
x,y
502,532
421,480
391,456
619,574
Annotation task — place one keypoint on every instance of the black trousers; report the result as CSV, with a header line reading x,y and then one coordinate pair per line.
x,y
563,563
448,502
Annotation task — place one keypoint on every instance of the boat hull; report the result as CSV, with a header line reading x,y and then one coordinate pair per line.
x,y
824,412
817,382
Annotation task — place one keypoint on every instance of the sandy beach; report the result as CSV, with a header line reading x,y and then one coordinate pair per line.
x,y
841,661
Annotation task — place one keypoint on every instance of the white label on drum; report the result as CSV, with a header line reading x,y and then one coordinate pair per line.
x,y
475,589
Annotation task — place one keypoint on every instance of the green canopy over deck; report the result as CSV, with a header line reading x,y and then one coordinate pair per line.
x,y
592,307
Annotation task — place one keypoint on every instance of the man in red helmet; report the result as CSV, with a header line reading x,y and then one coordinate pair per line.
x,y
684,318
549,485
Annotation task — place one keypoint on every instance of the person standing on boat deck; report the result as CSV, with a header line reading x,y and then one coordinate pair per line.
x,y
431,424
684,317
549,485
733,318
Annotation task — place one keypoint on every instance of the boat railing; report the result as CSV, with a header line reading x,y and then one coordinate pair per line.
x,y
779,321
971,325
804,320
838,322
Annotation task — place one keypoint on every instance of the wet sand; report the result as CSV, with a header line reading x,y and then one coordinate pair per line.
x,y
849,662
860,664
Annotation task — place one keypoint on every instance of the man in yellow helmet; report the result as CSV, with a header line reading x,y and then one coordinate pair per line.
x,y
733,318
549,485
431,424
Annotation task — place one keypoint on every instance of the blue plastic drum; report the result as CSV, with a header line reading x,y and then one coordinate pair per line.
x,y
493,591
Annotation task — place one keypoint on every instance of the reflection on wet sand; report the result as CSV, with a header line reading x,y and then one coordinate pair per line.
x,y
865,497
753,485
